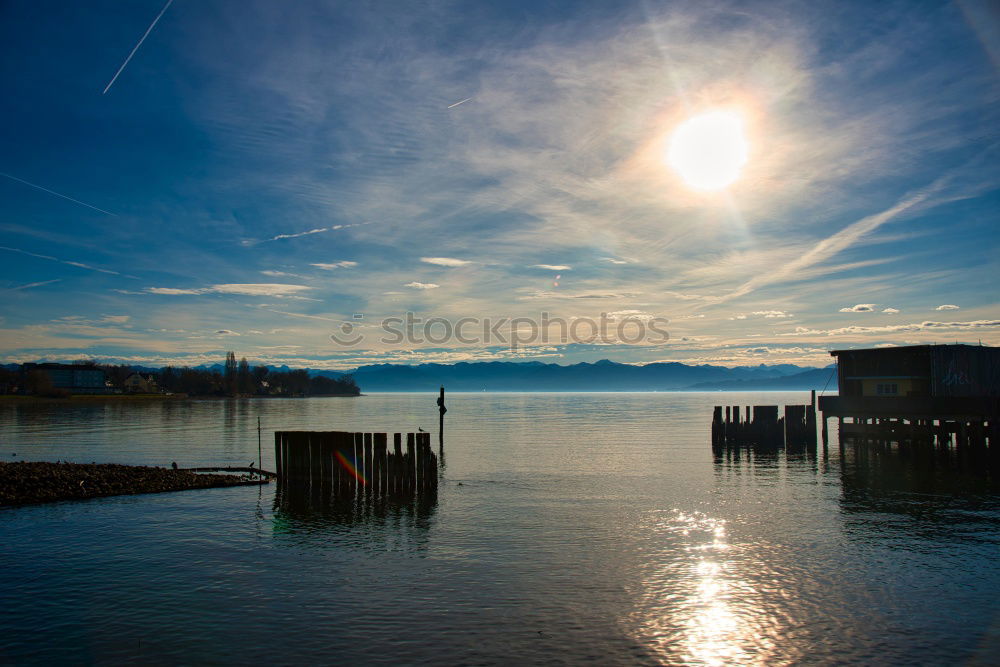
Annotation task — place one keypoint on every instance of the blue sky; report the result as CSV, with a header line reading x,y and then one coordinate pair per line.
x,y
261,172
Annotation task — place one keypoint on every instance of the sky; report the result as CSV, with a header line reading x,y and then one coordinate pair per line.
x,y
181,179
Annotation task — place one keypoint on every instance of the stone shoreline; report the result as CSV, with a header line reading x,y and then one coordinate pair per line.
x,y
30,482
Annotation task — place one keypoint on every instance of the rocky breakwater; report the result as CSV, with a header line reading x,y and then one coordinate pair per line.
x,y
28,482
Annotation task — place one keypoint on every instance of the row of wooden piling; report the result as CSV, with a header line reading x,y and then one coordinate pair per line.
x,y
975,432
350,463
762,427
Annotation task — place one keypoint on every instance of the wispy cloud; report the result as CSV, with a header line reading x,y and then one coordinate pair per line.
x,y
452,106
890,310
445,261
170,290
279,274
226,332
947,306
53,192
552,267
859,308
543,295
318,230
136,47
612,260
309,232
766,314
345,264
897,328
416,285
246,289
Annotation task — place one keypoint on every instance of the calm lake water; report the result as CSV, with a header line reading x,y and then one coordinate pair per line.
x,y
567,528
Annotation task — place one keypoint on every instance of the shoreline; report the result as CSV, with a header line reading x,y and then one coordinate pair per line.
x,y
78,399
36,482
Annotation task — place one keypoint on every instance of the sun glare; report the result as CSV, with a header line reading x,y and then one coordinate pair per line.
x,y
708,151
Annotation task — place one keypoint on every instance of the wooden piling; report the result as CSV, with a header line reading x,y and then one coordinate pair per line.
x,y
410,475
441,410
355,465
277,453
326,461
379,441
369,476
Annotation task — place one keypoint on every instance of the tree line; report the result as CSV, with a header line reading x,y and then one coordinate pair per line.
x,y
237,378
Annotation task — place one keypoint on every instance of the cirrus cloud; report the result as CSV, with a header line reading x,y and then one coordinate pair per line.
x,y
247,289
897,328
445,261
343,264
859,308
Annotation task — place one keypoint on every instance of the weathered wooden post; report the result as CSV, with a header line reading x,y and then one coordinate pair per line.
x,y
369,477
379,447
294,456
359,458
411,460
277,455
397,462
326,458
441,410
425,461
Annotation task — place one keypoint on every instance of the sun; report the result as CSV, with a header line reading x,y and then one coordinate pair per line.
x,y
709,150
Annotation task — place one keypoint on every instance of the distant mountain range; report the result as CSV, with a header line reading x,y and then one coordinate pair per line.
x,y
602,375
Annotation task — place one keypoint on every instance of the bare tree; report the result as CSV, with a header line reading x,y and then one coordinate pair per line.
x,y
230,374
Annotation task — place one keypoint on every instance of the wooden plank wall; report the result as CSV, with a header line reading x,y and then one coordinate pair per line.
x,y
356,463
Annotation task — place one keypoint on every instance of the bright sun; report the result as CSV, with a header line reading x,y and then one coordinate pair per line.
x,y
709,150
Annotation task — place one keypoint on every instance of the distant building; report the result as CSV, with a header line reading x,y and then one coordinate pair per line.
x,y
136,383
74,378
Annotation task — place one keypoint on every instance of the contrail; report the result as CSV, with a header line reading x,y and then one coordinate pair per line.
x,y
926,197
53,192
80,265
452,106
30,285
136,48
831,245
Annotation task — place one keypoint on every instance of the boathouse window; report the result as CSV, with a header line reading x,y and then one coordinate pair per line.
x,y
887,389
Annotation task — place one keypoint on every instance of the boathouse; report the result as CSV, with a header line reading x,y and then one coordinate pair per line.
x,y
916,389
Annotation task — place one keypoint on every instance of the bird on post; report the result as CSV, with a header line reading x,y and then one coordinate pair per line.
x,y
421,430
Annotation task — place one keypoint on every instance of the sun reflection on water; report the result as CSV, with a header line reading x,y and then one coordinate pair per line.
x,y
693,607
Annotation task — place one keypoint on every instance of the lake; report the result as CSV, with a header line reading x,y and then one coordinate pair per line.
x,y
566,528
